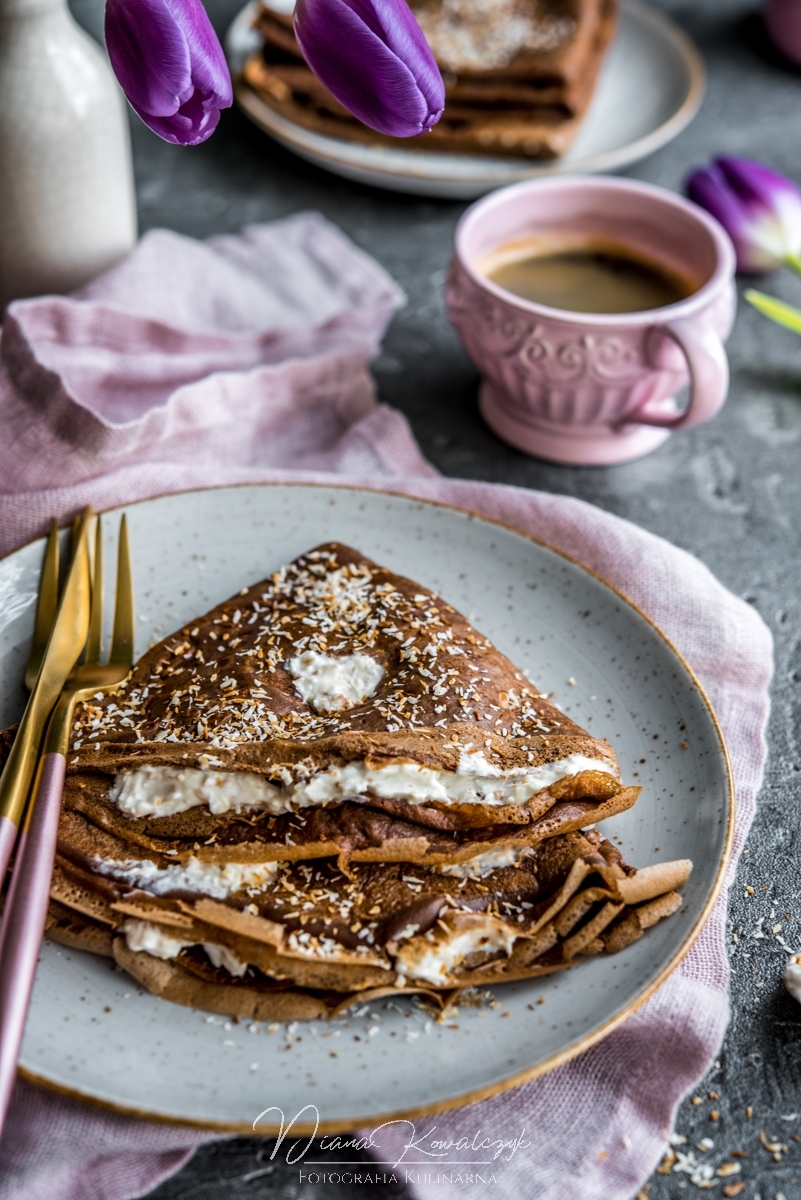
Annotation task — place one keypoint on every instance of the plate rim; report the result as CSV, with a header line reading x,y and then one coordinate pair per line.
x,y
323,146
519,1077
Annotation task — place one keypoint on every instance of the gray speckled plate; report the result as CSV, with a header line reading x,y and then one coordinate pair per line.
x,y
94,1033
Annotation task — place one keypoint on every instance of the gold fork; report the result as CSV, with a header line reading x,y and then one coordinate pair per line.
x,y
93,676
26,907
59,638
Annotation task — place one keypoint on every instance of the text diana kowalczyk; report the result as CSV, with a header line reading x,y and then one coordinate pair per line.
x,y
469,1159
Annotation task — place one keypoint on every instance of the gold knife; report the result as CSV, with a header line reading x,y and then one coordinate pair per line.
x,y
67,640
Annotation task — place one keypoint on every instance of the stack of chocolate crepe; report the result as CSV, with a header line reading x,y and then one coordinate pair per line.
x,y
332,787
519,74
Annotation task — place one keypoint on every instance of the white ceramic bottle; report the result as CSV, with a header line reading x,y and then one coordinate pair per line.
x,y
67,202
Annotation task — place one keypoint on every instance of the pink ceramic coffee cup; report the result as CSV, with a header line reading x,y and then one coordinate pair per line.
x,y
588,388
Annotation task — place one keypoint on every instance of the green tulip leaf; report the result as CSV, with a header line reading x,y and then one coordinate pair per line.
x,y
777,310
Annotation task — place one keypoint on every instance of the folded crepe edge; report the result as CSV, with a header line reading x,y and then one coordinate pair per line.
x,y
629,905
418,849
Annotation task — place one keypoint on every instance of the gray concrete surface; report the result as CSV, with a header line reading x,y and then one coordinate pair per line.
x,y
729,492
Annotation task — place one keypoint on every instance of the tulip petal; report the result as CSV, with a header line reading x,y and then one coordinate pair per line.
x,y
771,192
753,229
710,188
170,65
754,180
149,54
368,55
402,34
206,57
185,129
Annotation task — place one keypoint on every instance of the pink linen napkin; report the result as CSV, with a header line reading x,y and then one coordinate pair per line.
x,y
244,360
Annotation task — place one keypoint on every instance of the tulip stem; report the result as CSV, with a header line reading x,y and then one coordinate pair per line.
x,y
777,310
794,261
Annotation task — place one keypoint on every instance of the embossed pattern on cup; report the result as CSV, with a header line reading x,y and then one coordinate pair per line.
x,y
589,387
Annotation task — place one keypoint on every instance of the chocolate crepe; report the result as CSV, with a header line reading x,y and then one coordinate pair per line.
x,y
519,74
451,753
333,786
313,939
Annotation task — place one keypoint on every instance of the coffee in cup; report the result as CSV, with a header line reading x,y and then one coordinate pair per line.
x,y
596,275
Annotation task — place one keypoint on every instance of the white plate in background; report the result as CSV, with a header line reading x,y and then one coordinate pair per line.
x,y
649,89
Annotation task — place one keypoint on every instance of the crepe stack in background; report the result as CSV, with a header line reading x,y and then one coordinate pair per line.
x,y
519,75
333,787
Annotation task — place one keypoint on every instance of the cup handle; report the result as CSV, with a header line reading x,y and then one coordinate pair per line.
x,y
709,377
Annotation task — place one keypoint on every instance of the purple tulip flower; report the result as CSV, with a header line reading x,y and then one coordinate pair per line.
x,y
759,209
373,58
170,65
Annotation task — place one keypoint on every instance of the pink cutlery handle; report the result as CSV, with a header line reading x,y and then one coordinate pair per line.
x,y
24,918
8,837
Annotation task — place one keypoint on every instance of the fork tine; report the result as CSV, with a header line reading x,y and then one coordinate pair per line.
x,y
46,606
94,644
122,641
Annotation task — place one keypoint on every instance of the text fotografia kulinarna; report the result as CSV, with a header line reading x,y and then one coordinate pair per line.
x,y
414,1177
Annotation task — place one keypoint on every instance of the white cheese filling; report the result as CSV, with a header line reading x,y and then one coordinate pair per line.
x,y
145,936
428,961
211,879
484,864
334,684
434,960
162,791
